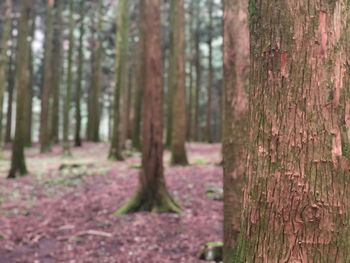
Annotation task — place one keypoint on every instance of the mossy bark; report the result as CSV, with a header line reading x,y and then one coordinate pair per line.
x,y
18,165
152,195
296,199
198,66
68,95
47,82
177,84
236,74
121,78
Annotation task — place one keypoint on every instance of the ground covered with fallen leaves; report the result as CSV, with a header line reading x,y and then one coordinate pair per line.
x,y
64,210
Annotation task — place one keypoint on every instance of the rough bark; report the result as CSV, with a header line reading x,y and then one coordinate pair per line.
x,y
68,95
56,71
47,82
152,194
190,77
296,200
121,78
177,84
236,74
77,138
18,165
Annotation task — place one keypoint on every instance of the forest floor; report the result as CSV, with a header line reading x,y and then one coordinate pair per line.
x,y
64,210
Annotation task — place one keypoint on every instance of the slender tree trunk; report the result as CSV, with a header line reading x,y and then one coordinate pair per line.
x,y
121,77
171,77
6,33
10,86
296,200
47,82
190,86
136,137
177,53
29,97
95,90
236,74
152,194
18,165
68,95
56,71
198,66
77,139
210,74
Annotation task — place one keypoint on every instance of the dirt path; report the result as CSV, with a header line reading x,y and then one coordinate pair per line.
x,y
66,215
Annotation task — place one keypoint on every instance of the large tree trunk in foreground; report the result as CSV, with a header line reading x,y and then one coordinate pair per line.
x,y
121,78
45,96
296,201
18,165
68,95
198,66
177,75
236,69
152,194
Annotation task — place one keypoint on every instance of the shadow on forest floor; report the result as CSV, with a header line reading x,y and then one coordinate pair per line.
x,y
63,211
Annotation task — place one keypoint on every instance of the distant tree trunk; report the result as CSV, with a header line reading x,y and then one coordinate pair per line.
x,y
136,137
190,86
47,82
121,77
10,86
29,100
296,199
6,33
56,71
198,66
68,95
152,194
18,165
171,78
77,139
95,89
211,74
177,53
236,74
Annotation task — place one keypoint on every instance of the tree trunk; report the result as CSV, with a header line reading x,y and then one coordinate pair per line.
x,y
236,73
18,165
68,95
190,86
296,200
210,74
95,90
6,33
177,76
47,82
77,138
121,78
56,71
198,66
152,194
10,86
